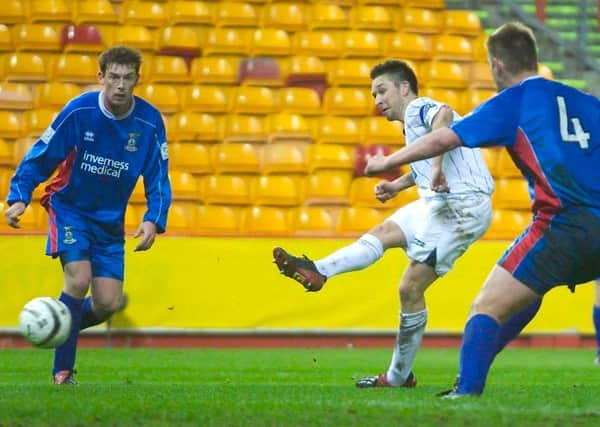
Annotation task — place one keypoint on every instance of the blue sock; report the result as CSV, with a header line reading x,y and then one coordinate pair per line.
x,y
88,317
477,353
64,355
596,317
513,326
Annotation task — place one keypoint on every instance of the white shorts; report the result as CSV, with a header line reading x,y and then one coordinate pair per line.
x,y
439,230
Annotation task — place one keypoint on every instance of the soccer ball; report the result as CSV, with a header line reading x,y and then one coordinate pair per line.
x,y
45,322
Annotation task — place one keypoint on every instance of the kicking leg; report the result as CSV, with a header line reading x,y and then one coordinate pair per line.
x,y
107,298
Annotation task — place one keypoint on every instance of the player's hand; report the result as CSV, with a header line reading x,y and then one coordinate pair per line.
x,y
385,190
12,214
147,231
376,163
438,181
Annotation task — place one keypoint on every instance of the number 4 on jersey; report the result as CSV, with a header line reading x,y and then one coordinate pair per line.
x,y
580,136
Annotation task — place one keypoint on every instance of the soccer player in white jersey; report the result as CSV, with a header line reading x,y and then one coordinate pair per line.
x,y
453,211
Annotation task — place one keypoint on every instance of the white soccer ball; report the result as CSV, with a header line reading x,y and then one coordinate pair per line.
x,y
45,322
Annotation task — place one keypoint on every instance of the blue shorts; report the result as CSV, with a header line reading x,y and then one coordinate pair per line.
x,y
72,237
559,249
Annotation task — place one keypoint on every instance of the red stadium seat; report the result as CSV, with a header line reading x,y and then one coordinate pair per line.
x,y
81,38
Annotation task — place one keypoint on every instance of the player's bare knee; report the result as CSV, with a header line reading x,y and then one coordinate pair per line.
x,y
104,308
410,292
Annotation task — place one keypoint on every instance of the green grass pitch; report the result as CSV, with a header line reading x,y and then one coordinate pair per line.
x,y
285,387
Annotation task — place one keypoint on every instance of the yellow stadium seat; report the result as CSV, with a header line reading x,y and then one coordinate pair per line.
x,y
245,128
338,130
215,70
37,121
206,98
23,67
351,72
490,155
136,36
416,20
511,193
481,76
545,71
182,41
312,221
189,157
75,68
348,101
196,127
270,42
328,187
506,167
133,218
147,13
463,22
6,42
444,74
169,69
473,97
190,12
362,193
235,158
317,43
162,96
361,44
286,127
407,46
55,95
480,52
15,96
14,12
6,159
216,220
49,11
227,41
265,220
20,148
302,65
94,12
253,100
182,218
331,156
10,125
236,14
225,189
283,158
184,185
355,221
299,100
275,190
375,18
427,4
284,16
36,38
379,130
452,48
138,194
507,224
326,16
451,97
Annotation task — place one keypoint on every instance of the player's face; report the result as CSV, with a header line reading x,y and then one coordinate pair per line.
x,y
388,97
118,81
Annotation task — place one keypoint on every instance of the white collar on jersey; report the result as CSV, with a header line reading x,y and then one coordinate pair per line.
x,y
108,113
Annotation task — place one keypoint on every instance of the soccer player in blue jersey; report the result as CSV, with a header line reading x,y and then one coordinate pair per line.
x,y
101,143
552,132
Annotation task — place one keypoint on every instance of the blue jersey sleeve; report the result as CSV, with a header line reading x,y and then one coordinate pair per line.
x,y
156,181
49,151
494,122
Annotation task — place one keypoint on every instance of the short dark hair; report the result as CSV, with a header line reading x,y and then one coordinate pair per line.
x,y
399,72
514,44
123,55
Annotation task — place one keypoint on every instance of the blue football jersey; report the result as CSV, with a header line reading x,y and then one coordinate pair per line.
x,y
552,132
99,158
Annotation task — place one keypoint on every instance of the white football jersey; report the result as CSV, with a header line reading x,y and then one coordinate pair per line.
x,y
464,168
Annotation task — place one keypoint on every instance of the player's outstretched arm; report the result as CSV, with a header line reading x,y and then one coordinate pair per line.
x,y
433,144
13,213
147,232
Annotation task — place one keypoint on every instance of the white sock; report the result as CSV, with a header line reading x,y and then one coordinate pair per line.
x,y
356,256
408,340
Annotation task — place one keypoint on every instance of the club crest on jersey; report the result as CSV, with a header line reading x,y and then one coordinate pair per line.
x,y
68,240
131,143
88,136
